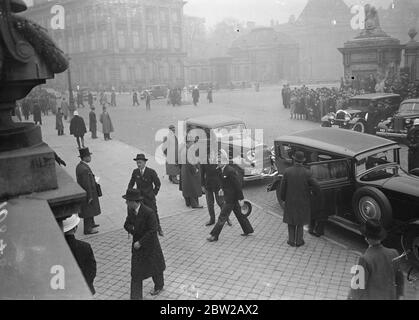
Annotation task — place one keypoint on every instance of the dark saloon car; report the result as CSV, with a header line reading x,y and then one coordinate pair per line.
x,y
229,135
364,112
360,178
398,125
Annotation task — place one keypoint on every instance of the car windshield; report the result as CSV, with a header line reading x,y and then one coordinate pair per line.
x,y
236,131
376,159
409,107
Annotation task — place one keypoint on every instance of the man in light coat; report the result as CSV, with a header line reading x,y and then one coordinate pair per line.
x,y
107,127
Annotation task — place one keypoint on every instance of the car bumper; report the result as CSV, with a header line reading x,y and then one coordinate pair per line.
x,y
260,176
391,134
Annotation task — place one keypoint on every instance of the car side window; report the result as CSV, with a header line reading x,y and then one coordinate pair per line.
x,y
286,151
330,170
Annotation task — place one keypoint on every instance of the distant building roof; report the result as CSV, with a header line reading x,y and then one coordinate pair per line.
x,y
262,37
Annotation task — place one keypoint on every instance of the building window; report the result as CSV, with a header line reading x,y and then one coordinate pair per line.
x,y
121,39
164,38
92,42
136,39
164,15
79,18
176,40
150,38
104,40
150,15
175,16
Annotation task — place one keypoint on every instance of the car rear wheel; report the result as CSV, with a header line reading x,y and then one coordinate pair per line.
x,y
359,127
371,203
278,196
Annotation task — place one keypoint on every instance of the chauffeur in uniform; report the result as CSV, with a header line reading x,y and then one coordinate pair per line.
x,y
231,190
147,181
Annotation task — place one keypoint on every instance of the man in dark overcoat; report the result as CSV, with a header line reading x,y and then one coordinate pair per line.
x,y
147,181
37,118
382,276
296,187
26,108
90,99
78,128
413,144
93,123
135,99
90,207
59,122
147,256
231,190
82,251
190,179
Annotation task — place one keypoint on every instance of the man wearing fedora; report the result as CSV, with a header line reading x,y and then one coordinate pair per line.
x,y
82,251
147,181
296,189
383,279
231,190
86,179
147,256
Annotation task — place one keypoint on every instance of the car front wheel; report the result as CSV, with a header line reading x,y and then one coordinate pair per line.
x,y
371,203
359,127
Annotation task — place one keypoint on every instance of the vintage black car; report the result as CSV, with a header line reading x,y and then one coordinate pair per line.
x,y
398,125
229,135
364,112
360,178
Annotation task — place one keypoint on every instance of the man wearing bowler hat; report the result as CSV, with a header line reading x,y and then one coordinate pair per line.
x,y
297,186
82,251
147,256
146,180
86,179
382,278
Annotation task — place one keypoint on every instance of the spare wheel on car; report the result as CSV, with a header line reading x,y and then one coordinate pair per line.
x,y
371,203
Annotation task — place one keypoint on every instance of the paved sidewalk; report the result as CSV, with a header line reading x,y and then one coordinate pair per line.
x,y
261,266
112,161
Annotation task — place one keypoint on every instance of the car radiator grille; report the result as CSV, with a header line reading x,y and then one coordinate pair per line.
x,y
398,124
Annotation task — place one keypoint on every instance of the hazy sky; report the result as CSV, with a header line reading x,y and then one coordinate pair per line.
x,y
260,11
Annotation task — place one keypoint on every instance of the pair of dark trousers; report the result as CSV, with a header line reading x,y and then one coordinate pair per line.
x,y
210,195
225,213
94,136
106,136
317,226
60,132
137,286
191,202
88,223
295,234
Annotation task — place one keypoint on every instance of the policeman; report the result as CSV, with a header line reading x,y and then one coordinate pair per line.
x,y
413,143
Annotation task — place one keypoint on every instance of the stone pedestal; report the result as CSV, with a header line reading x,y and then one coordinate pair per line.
x,y
377,55
411,56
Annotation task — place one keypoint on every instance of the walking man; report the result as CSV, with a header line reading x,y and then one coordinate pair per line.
x,y
147,256
147,181
90,207
78,129
383,279
231,190
59,126
296,187
113,99
37,117
413,139
209,95
107,127
147,100
195,96
82,251
64,107
135,99
79,99
90,99
93,123
171,153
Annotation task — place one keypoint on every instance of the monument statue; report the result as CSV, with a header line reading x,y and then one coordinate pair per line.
x,y
371,23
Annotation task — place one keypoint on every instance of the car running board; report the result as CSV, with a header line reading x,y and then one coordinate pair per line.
x,y
342,222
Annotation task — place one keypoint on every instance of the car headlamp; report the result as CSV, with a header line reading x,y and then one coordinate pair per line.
x,y
407,121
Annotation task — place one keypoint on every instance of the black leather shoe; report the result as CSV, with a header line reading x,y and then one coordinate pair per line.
x,y
229,223
301,244
246,234
91,232
212,239
291,244
197,207
155,292
96,225
210,223
161,234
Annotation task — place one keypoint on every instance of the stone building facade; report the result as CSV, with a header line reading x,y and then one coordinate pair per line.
x,y
121,44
